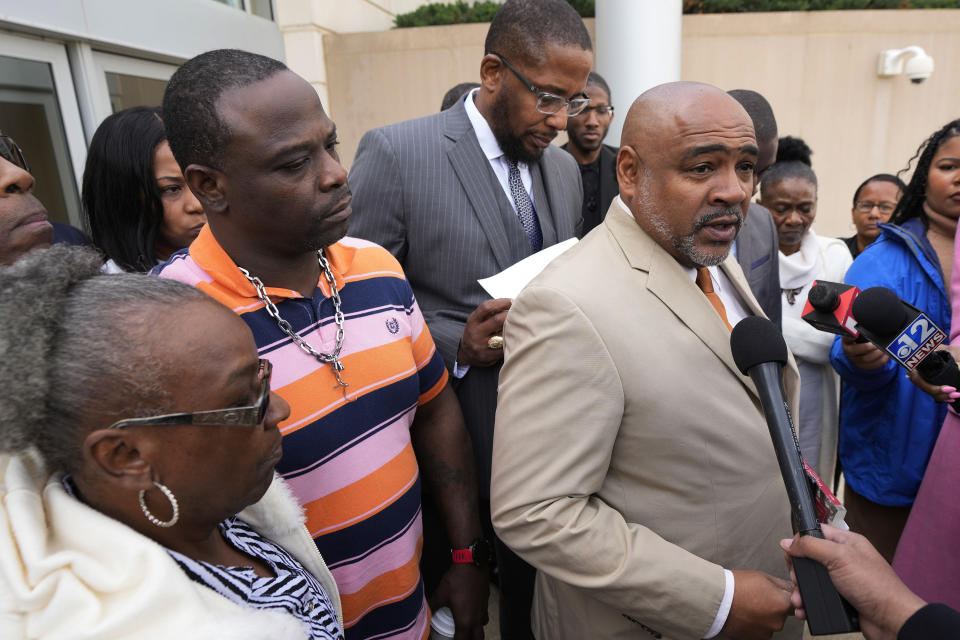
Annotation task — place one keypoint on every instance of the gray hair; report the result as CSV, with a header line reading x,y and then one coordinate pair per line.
x,y
70,339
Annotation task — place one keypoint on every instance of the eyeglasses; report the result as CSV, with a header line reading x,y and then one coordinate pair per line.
x,y
11,152
237,417
601,109
548,103
865,206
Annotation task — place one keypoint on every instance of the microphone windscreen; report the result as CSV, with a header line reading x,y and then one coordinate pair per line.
x,y
823,298
756,340
879,310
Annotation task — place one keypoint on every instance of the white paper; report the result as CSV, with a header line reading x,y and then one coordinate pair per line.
x,y
509,282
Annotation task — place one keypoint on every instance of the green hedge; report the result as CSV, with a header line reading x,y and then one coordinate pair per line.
x,y
447,13
460,12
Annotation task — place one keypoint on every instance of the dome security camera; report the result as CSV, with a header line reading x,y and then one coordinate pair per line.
x,y
912,61
918,68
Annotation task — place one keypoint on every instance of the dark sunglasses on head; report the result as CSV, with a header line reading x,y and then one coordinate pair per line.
x,y
237,417
11,152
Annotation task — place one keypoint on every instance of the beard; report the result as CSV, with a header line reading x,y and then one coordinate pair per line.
x,y
510,144
686,244
584,145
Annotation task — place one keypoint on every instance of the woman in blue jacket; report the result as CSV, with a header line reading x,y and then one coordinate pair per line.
x,y
888,426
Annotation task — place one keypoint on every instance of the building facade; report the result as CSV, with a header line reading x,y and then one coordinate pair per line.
x,y
66,65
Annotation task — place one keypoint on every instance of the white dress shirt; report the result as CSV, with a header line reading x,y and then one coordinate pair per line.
x,y
501,168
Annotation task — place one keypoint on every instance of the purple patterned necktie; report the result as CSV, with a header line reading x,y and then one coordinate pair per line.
x,y
525,210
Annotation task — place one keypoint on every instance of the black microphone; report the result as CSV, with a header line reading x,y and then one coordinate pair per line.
x,y
907,335
760,352
828,308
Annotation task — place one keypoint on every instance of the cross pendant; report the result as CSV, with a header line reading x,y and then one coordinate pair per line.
x,y
337,368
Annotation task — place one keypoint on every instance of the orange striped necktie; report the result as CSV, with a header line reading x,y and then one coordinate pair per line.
x,y
706,285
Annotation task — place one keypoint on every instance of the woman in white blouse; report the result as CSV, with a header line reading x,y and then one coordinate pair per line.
x,y
789,191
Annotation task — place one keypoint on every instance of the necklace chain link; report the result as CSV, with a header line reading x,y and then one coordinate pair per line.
x,y
332,358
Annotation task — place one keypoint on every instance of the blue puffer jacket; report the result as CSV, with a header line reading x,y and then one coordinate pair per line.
x,y
887,425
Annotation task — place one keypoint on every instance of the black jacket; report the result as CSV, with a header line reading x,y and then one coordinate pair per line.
x,y
933,622
608,187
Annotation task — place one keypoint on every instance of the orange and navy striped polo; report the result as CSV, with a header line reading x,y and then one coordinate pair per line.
x,y
349,460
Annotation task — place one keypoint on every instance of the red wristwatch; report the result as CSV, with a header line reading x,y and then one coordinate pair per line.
x,y
478,553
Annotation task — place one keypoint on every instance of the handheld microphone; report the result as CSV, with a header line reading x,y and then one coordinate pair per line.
x,y
907,335
829,307
760,352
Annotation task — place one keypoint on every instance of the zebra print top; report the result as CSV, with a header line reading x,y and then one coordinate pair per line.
x,y
292,589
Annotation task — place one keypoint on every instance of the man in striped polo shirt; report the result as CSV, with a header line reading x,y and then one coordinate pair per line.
x,y
370,405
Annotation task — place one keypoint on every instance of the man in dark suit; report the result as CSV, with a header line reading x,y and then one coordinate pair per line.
x,y
465,193
757,249
598,161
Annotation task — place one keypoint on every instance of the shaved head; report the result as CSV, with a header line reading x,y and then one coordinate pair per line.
x,y
685,169
669,106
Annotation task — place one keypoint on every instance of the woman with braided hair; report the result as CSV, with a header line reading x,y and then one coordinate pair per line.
x,y
138,436
927,558
887,425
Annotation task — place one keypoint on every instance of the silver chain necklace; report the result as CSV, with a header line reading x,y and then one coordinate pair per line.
x,y
332,358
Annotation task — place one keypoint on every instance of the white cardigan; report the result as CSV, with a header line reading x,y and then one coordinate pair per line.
x,y
828,259
69,572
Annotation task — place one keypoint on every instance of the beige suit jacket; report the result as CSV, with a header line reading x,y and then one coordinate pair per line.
x,y
631,459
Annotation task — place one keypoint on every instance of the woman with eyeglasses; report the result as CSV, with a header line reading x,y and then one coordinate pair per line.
x,y
137,207
137,491
873,204
888,426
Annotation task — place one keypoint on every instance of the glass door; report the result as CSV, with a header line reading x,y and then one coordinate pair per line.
x,y
128,82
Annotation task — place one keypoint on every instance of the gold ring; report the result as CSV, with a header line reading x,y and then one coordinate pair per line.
x,y
495,343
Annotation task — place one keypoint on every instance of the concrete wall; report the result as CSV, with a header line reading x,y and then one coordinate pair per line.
x,y
818,69
304,23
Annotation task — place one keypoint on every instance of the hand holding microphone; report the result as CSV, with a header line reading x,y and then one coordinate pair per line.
x,y
939,392
898,329
760,352
864,355
908,336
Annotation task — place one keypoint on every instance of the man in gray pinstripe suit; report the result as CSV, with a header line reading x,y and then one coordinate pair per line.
x,y
465,193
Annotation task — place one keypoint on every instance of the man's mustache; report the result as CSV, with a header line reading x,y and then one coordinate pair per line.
x,y
724,212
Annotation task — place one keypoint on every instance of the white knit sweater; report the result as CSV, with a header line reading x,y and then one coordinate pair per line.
x,y
69,572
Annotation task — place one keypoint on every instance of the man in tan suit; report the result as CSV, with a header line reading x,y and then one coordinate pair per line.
x,y
632,465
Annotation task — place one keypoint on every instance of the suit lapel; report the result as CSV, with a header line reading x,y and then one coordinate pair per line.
x,y
668,281
791,375
748,243
550,173
608,174
734,272
541,203
473,170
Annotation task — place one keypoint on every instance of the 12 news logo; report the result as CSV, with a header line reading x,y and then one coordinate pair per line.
x,y
916,342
